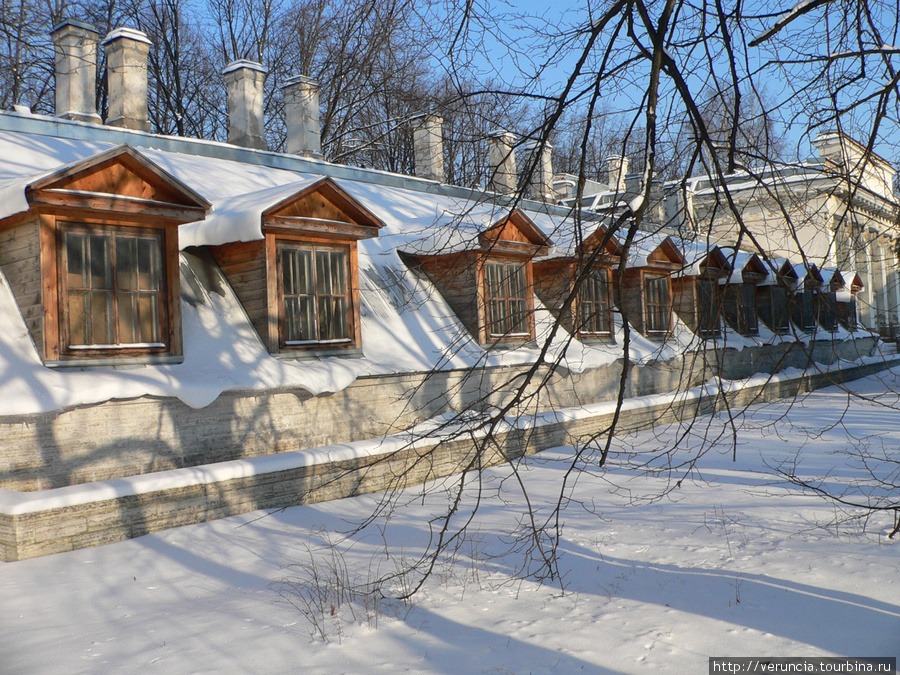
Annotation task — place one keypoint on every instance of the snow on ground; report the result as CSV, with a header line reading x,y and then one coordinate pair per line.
x,y
733,562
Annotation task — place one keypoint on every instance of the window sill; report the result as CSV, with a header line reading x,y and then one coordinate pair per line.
x,y
510,343
313,353
115,362
597,339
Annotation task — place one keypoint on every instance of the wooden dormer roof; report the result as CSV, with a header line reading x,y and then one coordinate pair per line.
x,y
515,233
754,270
853,282
709,262
120,181
657,250
595,239
322,209
812,279
832,278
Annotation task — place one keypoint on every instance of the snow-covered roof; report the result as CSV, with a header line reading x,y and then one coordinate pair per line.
x,y
406,324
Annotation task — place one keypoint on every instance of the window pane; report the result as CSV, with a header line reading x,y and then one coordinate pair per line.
x,y
100,264
518,322
77,319
333,318
148,306
126,264
76,260
101,329
128,318
493,276
517,281
148,267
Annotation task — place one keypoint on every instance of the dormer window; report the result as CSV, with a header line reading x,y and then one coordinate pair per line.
x,y
507,292
772,295
489,282
93,262
298,282
314,293
588,314
646,298
740,290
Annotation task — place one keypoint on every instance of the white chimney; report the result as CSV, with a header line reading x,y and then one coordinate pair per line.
x,y
502,162
540,166
301,113
245,80
126,78
616,168
428,144
75,46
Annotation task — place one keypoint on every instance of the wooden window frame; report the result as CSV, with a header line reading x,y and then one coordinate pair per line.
x,y
281,247
506,299
647,279
709,309
740,301
166,321
826,310
804,308
596,277
278,343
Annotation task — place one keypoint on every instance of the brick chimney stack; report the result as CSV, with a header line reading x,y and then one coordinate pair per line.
x,y
244,80
428,143
301,112
75,70
126,76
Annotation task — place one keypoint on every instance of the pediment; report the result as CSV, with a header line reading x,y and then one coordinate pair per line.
x,y
324,203
853,282
754,270
518,230
666,252
813,278
595,239
115,174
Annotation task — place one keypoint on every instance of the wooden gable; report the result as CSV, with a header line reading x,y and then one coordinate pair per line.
x,y
120,183
667,253
853,283
715,264
754,271
612,247
515,233
813,279
323,209
787,276
836,280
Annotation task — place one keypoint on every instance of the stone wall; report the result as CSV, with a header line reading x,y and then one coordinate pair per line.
x,y
28,529
132,437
